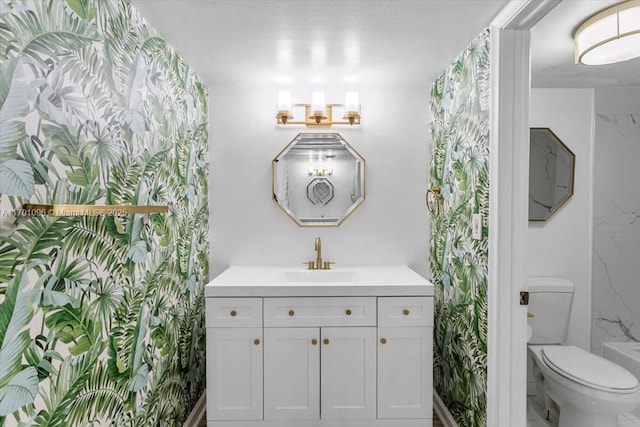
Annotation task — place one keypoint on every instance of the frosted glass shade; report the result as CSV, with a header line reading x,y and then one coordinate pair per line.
x,y
318,105
610,36
352,102
284,101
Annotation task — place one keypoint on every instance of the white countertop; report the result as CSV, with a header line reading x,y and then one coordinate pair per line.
x,y
240,281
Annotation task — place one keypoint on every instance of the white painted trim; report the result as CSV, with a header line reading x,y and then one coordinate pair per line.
x,y
198,411
523,14
508,210
442,411
508,219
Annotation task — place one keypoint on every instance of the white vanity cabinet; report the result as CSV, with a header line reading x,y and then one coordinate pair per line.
x,y
405,357
320,358
319,355
348,373
292,373
234,358
319,373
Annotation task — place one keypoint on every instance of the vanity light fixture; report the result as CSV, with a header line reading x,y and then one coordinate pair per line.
x,y
609,36
318,112
320,172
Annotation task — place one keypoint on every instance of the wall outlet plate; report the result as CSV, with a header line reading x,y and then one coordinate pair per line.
x,y
476,224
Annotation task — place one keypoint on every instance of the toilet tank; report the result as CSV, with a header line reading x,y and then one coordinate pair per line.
x,y
550,301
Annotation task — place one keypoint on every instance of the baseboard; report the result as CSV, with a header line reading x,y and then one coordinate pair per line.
x,y
442,411
198,411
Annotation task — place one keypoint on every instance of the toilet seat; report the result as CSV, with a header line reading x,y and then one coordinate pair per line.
x,y
589,369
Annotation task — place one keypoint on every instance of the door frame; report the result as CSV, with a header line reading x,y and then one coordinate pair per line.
x,y
508,209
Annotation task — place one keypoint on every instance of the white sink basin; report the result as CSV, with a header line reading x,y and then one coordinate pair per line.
x,y
298,281
319,276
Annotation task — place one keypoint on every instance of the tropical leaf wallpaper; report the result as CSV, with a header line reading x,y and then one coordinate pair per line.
x,y
458,263
101,317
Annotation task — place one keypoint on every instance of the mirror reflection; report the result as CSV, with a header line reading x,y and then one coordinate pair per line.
x,y
318,179
551,172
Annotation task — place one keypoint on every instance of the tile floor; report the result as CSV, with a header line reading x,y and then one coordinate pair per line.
x,y
626,420
623,420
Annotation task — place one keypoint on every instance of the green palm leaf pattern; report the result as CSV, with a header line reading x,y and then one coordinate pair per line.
x,y
458,263
18,384
101,318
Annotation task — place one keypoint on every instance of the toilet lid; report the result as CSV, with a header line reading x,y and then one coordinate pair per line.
x,y
588,369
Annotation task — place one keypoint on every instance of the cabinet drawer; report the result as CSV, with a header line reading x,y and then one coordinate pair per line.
x,y
405,311
323,311
233,312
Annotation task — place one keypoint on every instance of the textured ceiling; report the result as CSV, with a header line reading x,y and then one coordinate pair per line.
x,y
352,42
362,42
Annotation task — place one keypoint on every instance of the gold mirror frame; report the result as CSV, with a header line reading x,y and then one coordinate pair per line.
x,y
311,156
551,174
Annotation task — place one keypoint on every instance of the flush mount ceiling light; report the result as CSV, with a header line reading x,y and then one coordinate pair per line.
x,y
318,112
609,36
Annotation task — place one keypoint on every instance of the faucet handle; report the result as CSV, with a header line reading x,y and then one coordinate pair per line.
x,y
310,265
327,265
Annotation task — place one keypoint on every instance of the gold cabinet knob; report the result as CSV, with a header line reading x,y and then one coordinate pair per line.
x,y
233,313
325,341
405,312
383,340
348,311
291,313
314,341
256,341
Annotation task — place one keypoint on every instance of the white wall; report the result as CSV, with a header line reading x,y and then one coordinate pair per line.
x,y
616,229
562,246
389,228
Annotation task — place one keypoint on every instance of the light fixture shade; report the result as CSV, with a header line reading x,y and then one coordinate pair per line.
x,y
352,102
610,36
284,101
283,109
318,104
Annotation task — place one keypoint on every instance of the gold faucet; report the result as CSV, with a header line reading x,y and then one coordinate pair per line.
x,y
318,249
319,264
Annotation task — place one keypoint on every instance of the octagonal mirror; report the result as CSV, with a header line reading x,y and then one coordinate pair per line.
x,y
318,179
551,174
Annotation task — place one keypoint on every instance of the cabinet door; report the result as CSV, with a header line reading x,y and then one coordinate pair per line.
x,y
348,366
405,372
292,373
234,373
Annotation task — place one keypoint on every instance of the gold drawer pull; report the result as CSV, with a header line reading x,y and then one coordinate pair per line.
x,y
326,341
233,313
405,312
383,340
291,313
314,341
348,312
256,341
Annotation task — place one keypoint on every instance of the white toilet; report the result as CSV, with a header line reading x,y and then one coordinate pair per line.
x,y
589,390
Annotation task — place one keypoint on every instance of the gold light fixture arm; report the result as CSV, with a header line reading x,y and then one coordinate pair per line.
x,y
433,211
31,209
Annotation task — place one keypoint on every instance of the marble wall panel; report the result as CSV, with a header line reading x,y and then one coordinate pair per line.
x,y
616,267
